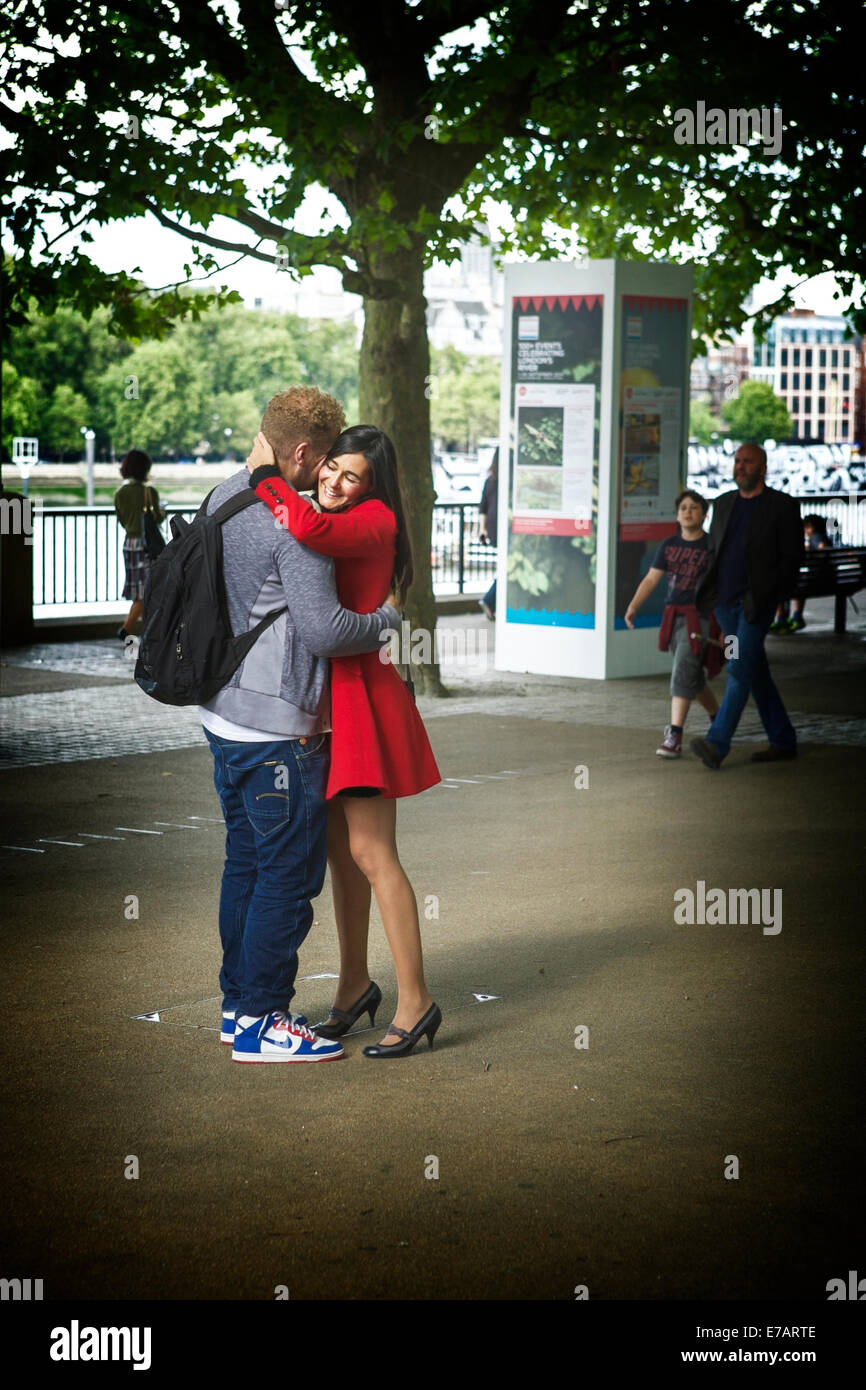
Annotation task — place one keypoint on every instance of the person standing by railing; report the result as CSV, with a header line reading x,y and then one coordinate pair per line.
x,y
487,526
130,503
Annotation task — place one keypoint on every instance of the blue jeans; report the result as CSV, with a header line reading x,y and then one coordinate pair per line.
x,y
750,671
273,801
490,597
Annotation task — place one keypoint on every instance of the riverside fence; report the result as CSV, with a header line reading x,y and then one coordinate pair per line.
x,y
78,551
78,556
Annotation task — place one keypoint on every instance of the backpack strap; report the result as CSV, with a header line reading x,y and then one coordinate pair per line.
x,y
239,503
235,504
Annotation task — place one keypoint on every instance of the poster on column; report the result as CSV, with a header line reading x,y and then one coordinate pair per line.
x,y
652,441
553,485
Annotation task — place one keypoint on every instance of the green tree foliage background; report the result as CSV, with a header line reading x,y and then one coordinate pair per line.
x,y
757,413
703,424
62,372
168,396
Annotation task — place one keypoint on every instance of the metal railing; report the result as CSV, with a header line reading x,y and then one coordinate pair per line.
x,y
78,553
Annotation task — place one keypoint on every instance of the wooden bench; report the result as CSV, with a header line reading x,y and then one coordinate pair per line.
x,y
833,572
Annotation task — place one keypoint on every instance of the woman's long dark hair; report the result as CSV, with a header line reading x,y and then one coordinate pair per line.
x,y
379,452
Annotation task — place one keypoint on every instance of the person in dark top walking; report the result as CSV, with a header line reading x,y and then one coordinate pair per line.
x,y
487,527
757,539
130,502
683,558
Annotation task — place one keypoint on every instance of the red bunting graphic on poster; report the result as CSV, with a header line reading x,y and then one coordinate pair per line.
x,y
558,301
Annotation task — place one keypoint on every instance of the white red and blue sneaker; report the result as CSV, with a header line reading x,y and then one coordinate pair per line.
x,y
227,1031
280,1037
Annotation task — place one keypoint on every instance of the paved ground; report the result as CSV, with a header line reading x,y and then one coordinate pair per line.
x,y
558,1165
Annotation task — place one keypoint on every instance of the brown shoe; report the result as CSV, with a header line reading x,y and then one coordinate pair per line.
x,y
773,754
707,752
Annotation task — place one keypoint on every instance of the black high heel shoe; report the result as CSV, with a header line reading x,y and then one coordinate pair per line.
x,y
425,1027
367,1004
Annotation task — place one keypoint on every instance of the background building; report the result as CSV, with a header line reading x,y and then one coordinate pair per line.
x,y
814,363
716,377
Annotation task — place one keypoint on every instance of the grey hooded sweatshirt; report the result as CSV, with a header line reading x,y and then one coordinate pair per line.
x,y
282,686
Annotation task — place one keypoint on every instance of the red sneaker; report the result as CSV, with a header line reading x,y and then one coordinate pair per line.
x,y
671,745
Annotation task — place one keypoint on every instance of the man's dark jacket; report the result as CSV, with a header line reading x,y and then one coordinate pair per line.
x,y
774,551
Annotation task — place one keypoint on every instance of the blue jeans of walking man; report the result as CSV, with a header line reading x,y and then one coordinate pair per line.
x,y
273,800
749,672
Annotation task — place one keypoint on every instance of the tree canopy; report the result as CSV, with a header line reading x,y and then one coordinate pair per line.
x,y
563,111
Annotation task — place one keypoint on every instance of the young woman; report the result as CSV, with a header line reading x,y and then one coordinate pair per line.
x,y
379,747
129,504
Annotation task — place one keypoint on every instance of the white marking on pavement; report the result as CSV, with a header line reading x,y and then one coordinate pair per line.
x,y
485,998
76,844
176,824
84,835
25,849
217,820
155,1014
149,1018
326,976
132,830
472,781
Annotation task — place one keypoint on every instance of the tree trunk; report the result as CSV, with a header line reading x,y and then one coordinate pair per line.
x,y
393,384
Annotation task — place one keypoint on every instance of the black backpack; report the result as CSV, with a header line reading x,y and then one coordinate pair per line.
x,y
187,650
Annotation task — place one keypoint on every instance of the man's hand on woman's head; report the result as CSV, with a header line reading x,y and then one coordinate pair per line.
x,y
261,455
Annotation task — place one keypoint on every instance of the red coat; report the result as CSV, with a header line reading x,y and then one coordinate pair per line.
x,y
378,738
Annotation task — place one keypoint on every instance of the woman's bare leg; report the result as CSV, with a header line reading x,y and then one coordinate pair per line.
x,y
372,825
351,893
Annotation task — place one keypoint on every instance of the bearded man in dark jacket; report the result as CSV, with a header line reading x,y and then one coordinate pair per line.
x,y
756,540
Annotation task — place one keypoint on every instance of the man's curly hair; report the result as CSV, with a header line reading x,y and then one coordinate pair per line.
x,y
303,414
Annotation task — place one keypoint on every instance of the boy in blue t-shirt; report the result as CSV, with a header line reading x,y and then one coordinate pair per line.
x,y
683,559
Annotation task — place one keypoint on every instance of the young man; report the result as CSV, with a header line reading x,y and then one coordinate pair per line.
x,y
757,542
683,559
268,730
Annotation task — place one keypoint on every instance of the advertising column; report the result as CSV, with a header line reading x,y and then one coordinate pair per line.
x,y
554,417
593,432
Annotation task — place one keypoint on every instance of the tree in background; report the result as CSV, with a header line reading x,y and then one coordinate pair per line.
x,y
414,115
55,419
757,413
703,424
63,418
163,400
164,396
464,398
22,406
